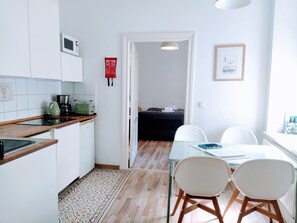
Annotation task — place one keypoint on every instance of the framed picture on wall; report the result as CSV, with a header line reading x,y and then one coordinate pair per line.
x,y
229,62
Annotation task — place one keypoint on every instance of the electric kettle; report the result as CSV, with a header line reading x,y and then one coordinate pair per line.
x,y
53,109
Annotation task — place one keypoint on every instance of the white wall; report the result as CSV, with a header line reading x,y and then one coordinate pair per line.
x,y
162,75
99,26
283,95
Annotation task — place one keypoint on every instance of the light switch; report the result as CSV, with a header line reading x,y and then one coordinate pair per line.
x,y
6,93
201,104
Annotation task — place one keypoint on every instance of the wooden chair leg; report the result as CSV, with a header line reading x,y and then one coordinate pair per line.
x,y
269,209
242,210
233,197
180,195
277,211
182,213
217,209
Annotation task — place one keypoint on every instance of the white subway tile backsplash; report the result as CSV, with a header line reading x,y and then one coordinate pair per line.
x,y
79,88
22,102
1,106
50,87
32,86
41,85
23,114
67,88
10,106
90,97
90,88
57,85
31,97
9,80
33,112
33,102
43,101
2,117
49,98
8,116
78,97
21,86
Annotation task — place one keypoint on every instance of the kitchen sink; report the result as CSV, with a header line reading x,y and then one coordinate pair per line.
x,y
9,145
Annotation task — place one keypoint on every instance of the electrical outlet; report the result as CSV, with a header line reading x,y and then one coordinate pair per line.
x,y
6,93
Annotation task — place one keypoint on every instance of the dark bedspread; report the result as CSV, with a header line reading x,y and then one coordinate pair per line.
x,y
154,124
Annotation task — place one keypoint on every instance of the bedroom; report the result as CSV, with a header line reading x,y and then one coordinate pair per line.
x,y
162,83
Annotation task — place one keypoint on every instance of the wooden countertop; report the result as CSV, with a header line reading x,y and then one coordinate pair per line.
x,y
12,130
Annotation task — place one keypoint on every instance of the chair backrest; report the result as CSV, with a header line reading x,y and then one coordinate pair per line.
x,y
190,133
267,179
202,176
239,135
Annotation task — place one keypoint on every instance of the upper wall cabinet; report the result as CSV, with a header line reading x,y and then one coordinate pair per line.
x,y
44,33
71,68
14,44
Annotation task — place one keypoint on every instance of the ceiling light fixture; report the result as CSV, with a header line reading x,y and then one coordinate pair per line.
x,y
169,46
231,4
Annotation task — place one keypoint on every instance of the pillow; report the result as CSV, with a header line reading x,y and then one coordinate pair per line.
x,y
173,107
168,109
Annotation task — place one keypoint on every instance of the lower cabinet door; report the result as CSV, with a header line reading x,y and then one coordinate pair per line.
x,y
28,188
67,155
87,144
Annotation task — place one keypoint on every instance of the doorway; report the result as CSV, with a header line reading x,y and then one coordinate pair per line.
x,y
128,41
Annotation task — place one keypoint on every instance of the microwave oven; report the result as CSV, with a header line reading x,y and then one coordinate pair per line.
x,y
69,44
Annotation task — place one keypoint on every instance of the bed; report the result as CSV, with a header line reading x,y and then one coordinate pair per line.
x,y
154,124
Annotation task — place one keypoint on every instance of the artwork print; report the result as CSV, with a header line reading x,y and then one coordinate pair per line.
x,y
229,62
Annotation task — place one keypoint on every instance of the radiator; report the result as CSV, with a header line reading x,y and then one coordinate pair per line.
x,y
288,201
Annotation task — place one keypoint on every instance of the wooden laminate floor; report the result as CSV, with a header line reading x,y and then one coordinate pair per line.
x,y
143,198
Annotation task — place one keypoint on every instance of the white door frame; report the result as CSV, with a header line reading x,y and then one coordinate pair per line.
x,y
129,38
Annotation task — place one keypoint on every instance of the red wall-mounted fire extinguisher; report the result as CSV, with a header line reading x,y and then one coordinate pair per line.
x,y
110,69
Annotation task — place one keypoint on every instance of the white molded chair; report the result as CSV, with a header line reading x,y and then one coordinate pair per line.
x,y
239,135
201,178
263,181
190,133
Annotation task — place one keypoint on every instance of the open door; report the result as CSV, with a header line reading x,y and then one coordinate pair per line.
x,y
133,116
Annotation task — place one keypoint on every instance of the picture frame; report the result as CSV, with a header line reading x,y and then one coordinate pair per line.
x,y
229,62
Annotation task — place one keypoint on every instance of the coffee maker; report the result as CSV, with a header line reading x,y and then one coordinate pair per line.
x,y
65,106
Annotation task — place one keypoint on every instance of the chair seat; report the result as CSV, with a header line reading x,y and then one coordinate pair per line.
x,y
262,182
201,178
190,133
239,135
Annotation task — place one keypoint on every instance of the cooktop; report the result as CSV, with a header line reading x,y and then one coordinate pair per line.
x,y
46,121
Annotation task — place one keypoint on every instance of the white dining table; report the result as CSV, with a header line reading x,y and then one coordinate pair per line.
x,y
184,149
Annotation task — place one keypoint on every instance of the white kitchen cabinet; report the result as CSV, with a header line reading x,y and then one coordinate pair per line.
x,y
14,44
71,67
28,188
67,155
44,31
87,147
43,135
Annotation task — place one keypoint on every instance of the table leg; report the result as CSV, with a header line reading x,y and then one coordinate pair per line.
x,y
169,191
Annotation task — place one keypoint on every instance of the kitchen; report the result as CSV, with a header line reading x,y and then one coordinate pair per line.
x,y
54,152
32,95
60,144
